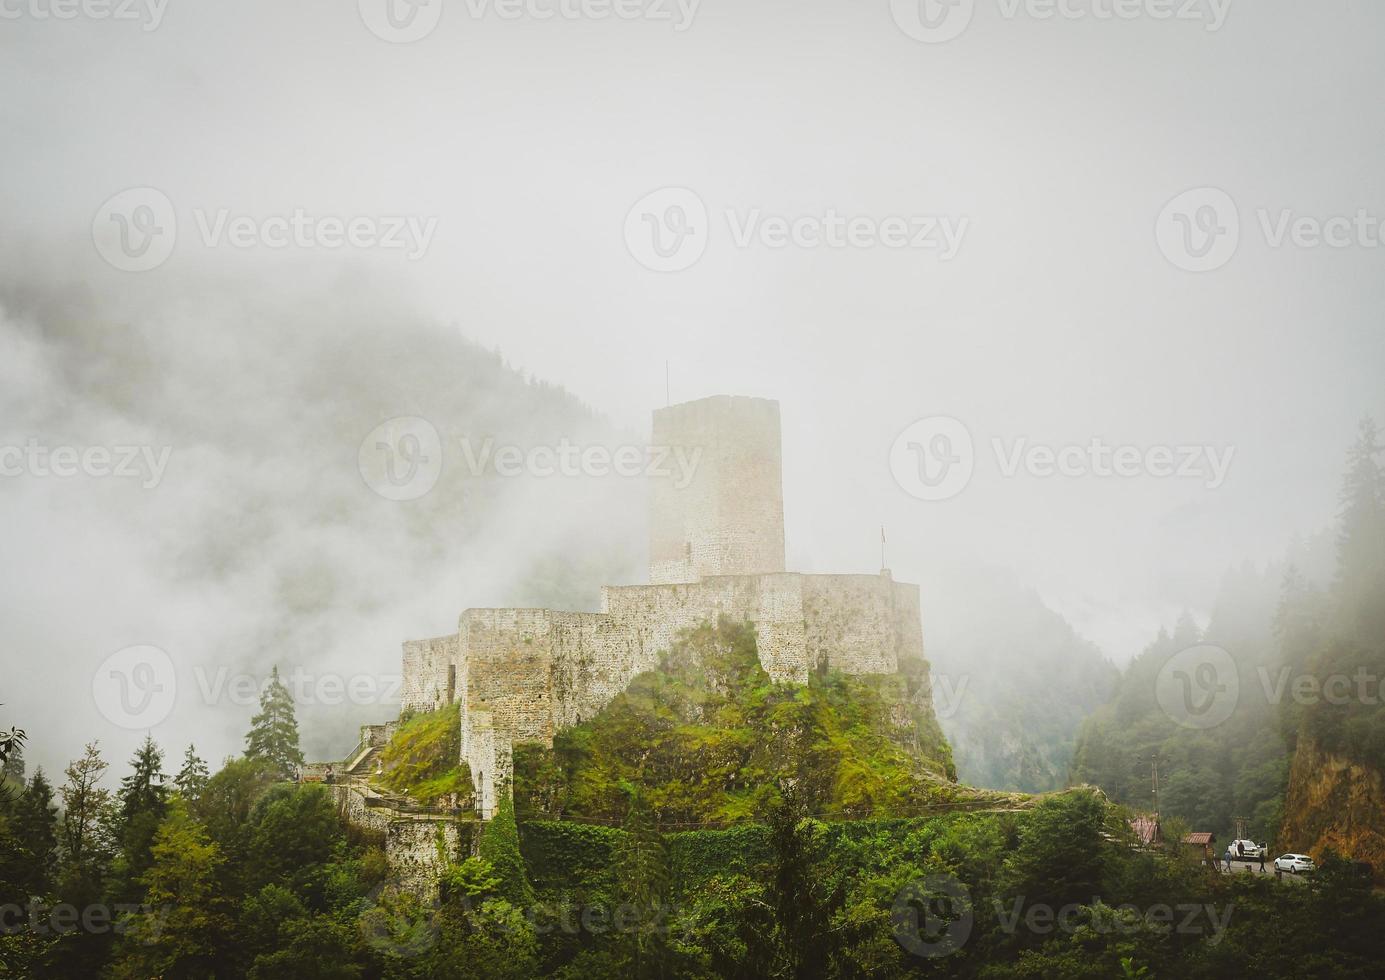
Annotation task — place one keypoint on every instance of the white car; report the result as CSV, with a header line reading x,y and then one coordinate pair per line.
x,y
1294,863
1248,850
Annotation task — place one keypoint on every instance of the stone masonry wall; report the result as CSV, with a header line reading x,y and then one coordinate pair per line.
x,y
729,518
524,674
431,676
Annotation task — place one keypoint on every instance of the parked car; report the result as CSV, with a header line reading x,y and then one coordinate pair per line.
x,y
1248,849
1294,863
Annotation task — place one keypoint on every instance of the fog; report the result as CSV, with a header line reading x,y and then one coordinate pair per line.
x,y
1030,157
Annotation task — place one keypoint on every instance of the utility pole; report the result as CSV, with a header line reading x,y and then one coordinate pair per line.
x,y
1154,778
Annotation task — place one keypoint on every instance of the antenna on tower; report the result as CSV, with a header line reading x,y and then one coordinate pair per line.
x,y
1154,777
667,399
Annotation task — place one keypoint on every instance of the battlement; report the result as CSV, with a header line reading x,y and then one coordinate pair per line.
x,y
717,549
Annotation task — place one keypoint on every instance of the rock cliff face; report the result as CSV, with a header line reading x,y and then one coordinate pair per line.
x,y
1334,803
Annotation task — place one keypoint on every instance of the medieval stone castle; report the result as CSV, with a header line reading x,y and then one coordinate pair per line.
x,y
716,548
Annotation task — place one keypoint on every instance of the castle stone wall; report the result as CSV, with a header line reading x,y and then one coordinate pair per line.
x,y
430,673
716,549
524,674
729,518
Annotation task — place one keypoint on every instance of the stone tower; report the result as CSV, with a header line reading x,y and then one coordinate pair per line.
x,y
729,518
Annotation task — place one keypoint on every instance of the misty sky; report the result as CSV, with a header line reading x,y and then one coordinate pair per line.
x,y
523,144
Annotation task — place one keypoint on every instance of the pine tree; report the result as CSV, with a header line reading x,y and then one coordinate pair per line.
x,y
142,802
273,735
192,778
1186,633
143,790
35,825
1360,581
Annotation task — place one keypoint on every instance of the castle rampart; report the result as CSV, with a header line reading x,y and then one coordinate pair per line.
x,y
717,549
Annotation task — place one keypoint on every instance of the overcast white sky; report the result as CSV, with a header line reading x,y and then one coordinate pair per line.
x,y
1054,142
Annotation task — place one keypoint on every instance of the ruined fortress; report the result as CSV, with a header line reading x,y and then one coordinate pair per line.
x,y
716,548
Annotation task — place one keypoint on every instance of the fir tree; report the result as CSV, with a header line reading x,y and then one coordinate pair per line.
x,y
35,825
1360,581
273,735
192,778
142,802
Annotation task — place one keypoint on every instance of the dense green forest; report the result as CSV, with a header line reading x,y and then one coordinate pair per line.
x,y
1308,656
241,875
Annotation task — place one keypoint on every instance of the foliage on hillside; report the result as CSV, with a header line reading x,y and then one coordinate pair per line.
x,y
1012,681
1336,640
1309,657
708,737
422,758
1056,891
1208,776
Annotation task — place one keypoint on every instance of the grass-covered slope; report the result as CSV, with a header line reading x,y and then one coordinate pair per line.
x,y
708,736
422,760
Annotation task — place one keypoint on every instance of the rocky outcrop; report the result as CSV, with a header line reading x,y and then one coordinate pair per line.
x,y
1332,802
